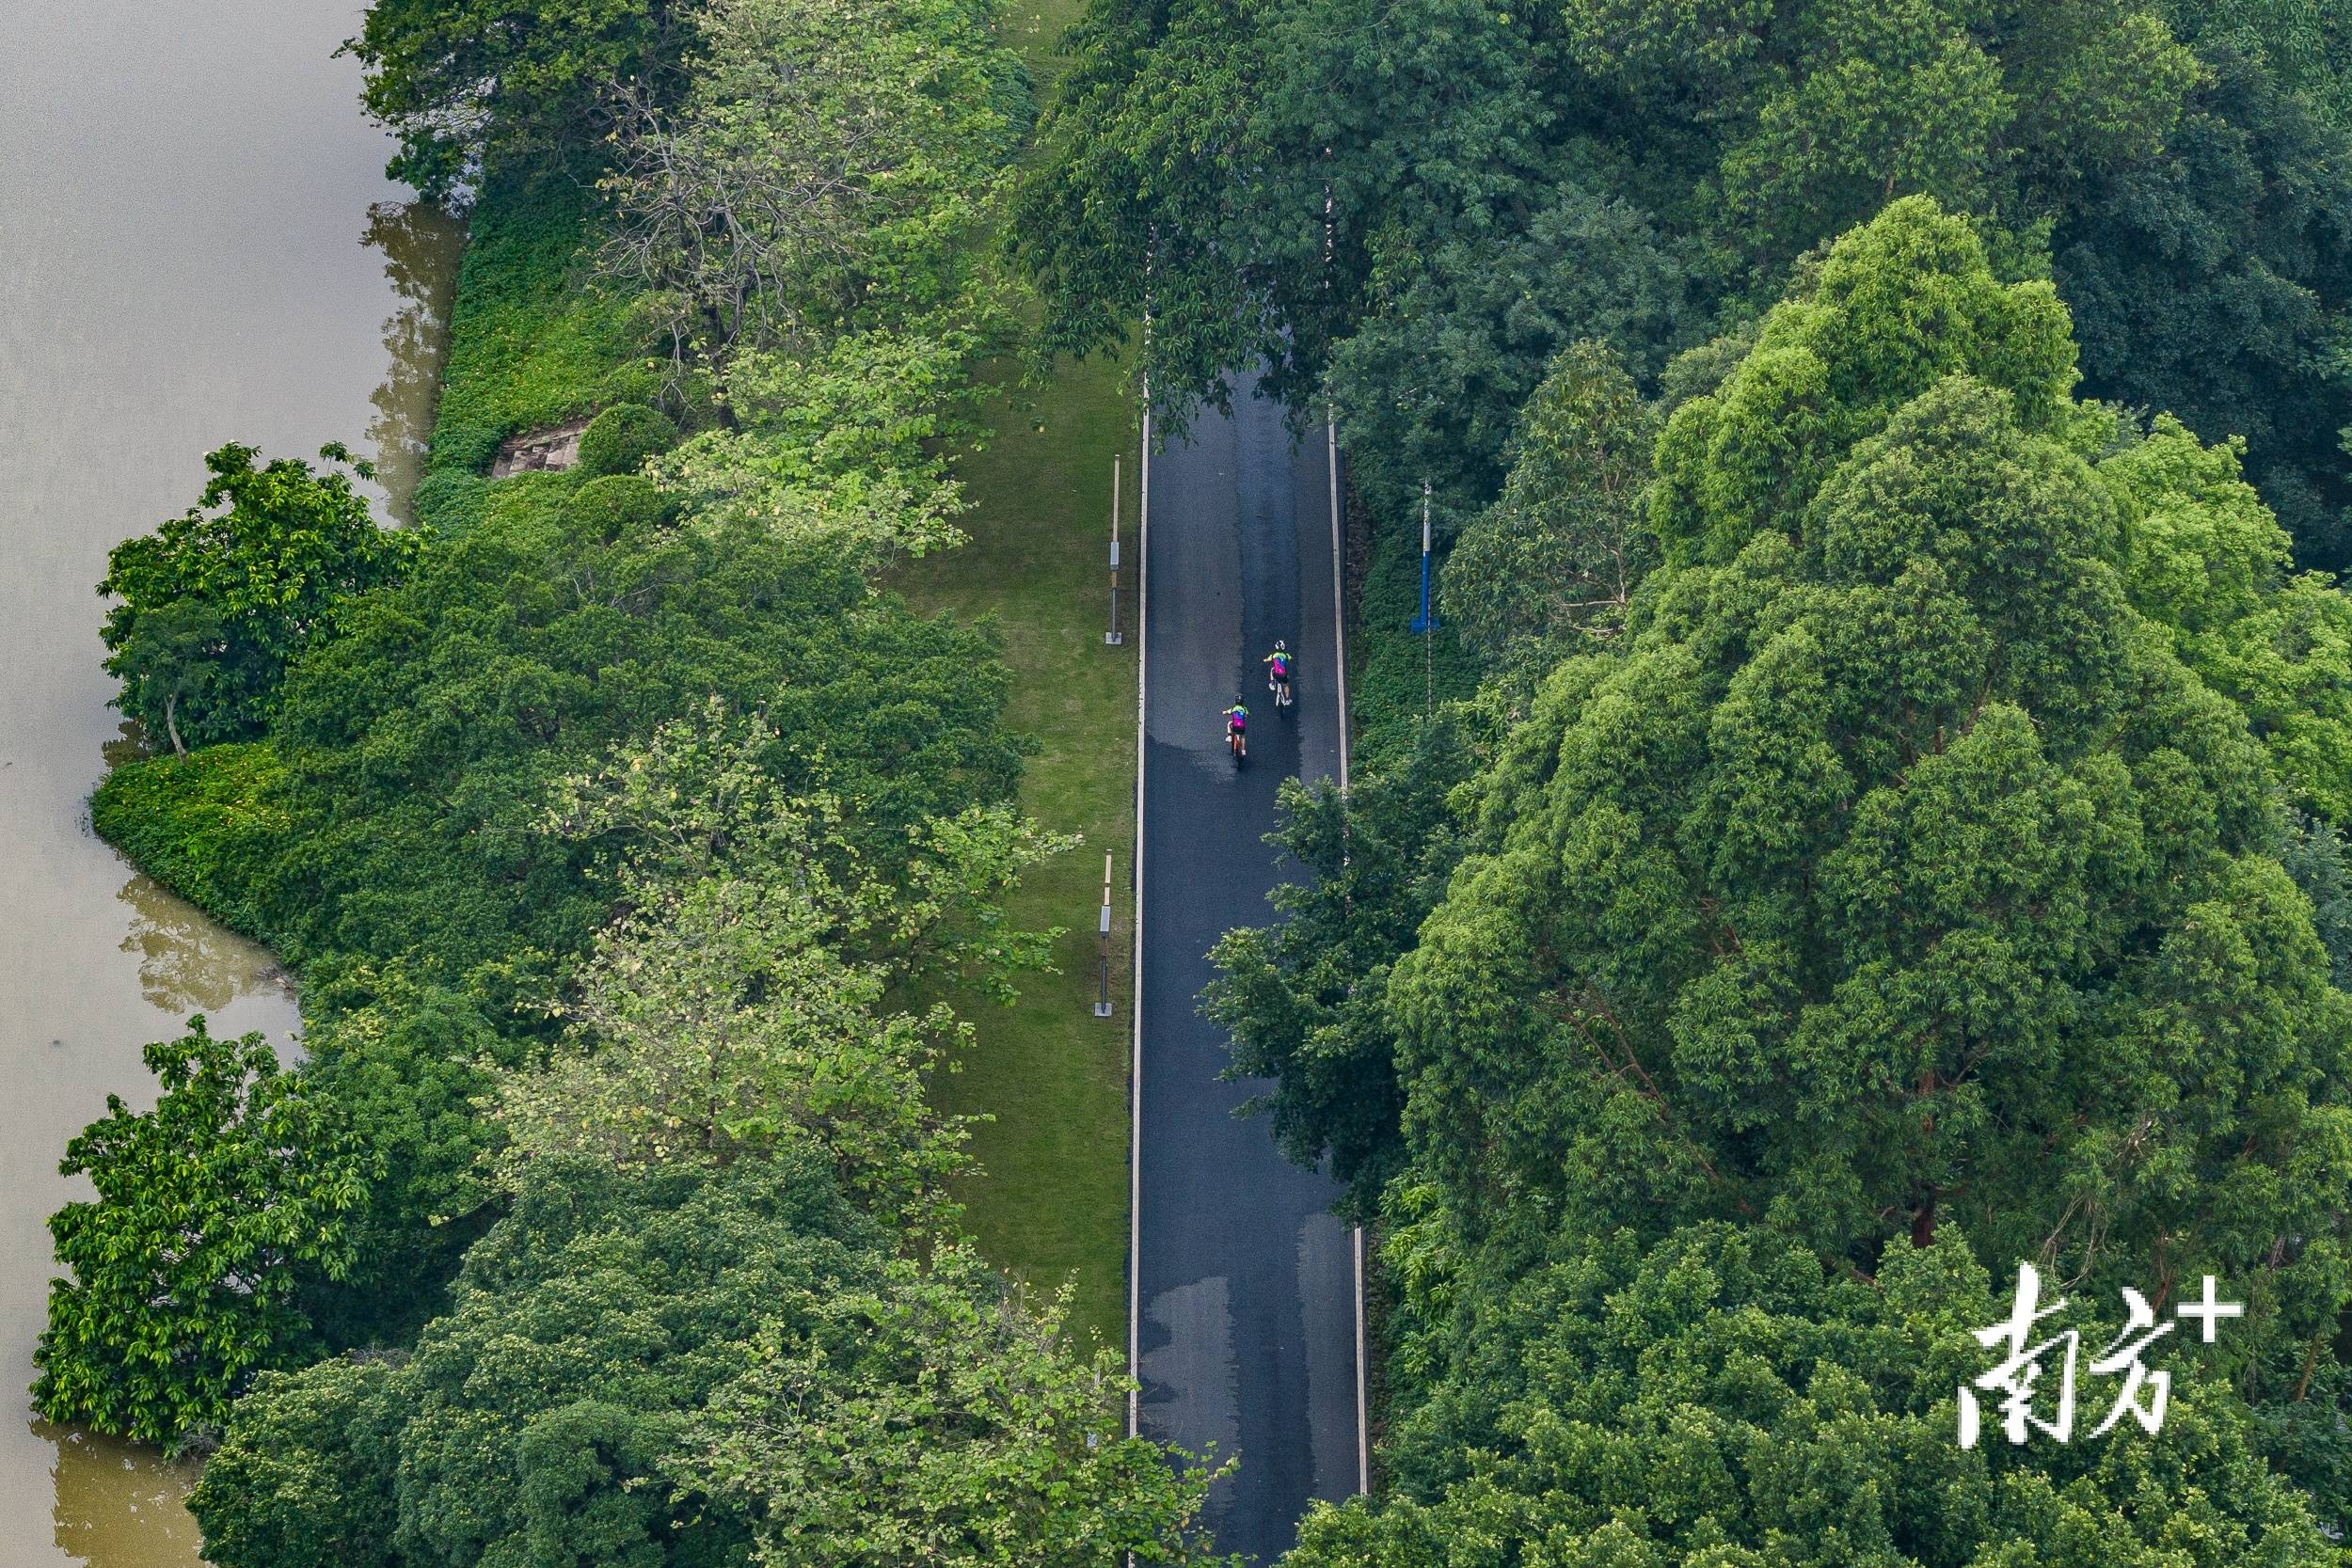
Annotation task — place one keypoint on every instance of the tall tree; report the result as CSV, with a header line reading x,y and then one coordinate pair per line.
x,y
214,606
1715,1400
1898,872
459,81
2215,283
213,1211
1554,561
940,1419
828,161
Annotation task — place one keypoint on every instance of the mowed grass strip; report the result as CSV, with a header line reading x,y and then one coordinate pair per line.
x,y
1050,1201
1049,1204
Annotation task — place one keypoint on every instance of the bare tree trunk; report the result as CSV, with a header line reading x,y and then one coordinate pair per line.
x,y
171,723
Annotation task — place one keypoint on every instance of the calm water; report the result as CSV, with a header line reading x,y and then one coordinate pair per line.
x,y
197,245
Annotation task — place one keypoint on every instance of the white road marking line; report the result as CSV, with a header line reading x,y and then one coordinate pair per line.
x,y
1135,1069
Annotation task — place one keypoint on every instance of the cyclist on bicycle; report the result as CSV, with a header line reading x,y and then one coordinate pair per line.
x,y
1278,672
1236,729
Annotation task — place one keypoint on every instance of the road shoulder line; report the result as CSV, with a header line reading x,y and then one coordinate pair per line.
x,y
1134,1003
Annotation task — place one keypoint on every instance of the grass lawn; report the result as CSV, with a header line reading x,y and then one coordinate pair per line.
x,y
1051,1202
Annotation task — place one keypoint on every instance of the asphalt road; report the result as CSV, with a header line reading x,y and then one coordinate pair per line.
x,y
1245,1282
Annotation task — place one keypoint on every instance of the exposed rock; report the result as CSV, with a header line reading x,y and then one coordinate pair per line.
x,y
535,449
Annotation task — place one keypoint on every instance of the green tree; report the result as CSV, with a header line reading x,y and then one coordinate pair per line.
x,y
1897,873
620,438
830,162
304,1475
745,998
2205,558
715,1023
535,1421
1716,1399
175,659
406,1065
849,446
1433,383
2215,283
1305,998
423,745
2306,48
457,81
1745,133
213,1211
1554,561
938,1419
215,604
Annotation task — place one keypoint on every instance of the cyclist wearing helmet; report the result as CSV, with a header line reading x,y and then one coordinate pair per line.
x,y
1278,681
1236,729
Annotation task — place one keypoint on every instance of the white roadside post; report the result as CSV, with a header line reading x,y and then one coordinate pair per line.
x,y
1114,636
1103,1001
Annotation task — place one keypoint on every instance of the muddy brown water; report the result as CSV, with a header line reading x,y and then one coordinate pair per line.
x,y
197,245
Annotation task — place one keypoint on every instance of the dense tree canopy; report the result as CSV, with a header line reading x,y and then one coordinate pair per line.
x,y
213,1212
693,1366
1897,871
586,1327
1905,889
1554,561
459,80
826,168
2214,282
422,749
212,607
1715,1401
1502,181
938,1420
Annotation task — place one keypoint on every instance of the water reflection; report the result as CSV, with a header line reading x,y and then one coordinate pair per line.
x,y
119,1506
420,244
188,964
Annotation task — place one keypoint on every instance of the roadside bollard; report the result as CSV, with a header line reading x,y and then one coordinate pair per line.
x,y
1114,636
1102,1002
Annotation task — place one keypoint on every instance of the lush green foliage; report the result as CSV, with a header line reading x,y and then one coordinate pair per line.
x,y
1501,182
1306,999
1895,871
2215,283
613,845
586,1327
200,824
1716,1400
826,170
1554,561
535,339
622,437
421,751
212,606
640,1367
935,1419
2304,47
212,1209
2205,558
457,79
406,1065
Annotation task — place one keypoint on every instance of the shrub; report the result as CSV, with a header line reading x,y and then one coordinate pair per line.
x,y
617,504
619,440
451,501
